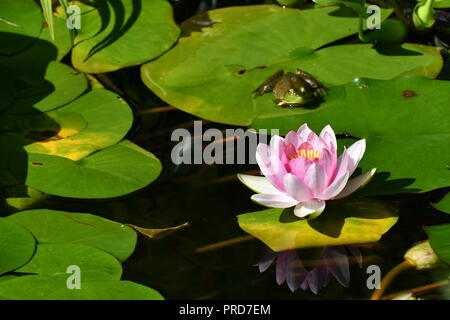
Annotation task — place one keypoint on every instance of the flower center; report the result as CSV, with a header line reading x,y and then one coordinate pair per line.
x,y
306,151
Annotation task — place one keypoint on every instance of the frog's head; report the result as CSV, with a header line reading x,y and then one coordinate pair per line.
x,y
296,97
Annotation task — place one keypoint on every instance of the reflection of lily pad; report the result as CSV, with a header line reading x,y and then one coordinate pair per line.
x,y
342,222
59,227
118,34
17,245
226,53
404,122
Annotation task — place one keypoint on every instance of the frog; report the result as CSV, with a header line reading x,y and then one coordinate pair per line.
x,y
292,89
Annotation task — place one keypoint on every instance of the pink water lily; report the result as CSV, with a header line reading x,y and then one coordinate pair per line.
x,y
303,170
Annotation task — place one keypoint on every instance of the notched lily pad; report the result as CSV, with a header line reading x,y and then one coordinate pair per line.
x,y
227,53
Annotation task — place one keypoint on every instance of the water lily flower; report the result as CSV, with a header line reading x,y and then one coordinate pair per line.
x,y
302,170
334,262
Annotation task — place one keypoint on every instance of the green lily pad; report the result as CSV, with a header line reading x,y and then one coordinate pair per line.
x,y
95,121
59,227
6,278
118,34
343,222
403,122
444,204
225,54
63,37
440,240
17,245
55,288
54,259
22,17
60,86
117,170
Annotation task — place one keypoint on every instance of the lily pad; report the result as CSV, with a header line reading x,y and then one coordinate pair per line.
x,y
17,245
54,259
55,288
444,204
440,240
343,222
225,54
117,170
60,86
118,34
95,121
18,17
60,227
404,138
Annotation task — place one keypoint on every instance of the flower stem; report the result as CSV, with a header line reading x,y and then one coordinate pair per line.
x,y
421,289
389,277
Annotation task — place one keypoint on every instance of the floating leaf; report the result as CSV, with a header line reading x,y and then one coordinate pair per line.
x,y
405,149
443,204
343,222
17,245
60,86
158,233
440,240
54,259
22,17
117,170
95,121
118,34
226,54
55,288
59,227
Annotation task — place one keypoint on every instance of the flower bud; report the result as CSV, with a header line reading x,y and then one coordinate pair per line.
x,y
422,256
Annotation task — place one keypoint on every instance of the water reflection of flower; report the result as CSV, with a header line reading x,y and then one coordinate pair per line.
x,y
334,262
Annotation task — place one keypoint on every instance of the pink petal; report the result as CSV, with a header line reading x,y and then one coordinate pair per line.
x,y
335,188
296,188
277,146
342,165
355,184
303,133
328,162
274,201
298,166
292,138
329,137
264,160
356,152
306,208
315,178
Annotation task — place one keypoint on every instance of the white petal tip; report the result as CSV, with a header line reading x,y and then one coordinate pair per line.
x,y
310,209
